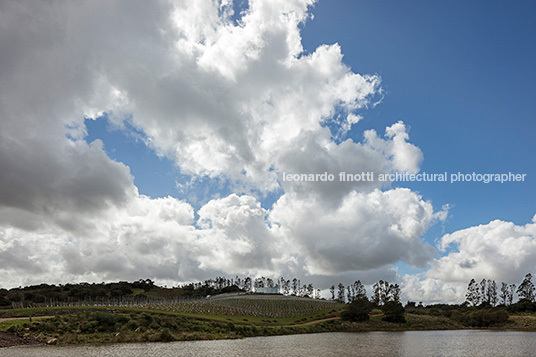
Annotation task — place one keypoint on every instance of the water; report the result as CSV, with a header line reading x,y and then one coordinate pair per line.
x,y
413,343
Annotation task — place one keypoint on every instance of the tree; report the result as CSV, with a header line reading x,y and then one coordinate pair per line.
x,y
503,296
318,294
526,289
270,283
357,311
394,312
472,296
340,292
491,292
259,282
286,287
483,297
310,290
295,286
380,292
359,289
332,291
511,293
393,294
247,284
349,293
410,304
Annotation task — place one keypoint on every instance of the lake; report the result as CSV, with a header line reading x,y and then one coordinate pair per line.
x,y
411,343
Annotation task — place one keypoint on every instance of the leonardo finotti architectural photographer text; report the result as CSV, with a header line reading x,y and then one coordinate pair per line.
x,y
370,176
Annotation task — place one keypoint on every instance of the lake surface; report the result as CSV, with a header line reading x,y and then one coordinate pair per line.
x,y
412,343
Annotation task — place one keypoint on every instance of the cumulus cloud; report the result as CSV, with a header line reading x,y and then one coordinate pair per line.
x,y
225,96
404,155
498,250
367,231
419,288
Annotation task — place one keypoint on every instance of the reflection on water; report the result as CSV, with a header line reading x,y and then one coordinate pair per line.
x,y
413,343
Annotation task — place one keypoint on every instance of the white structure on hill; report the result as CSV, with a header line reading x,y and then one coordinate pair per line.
x,y
267,290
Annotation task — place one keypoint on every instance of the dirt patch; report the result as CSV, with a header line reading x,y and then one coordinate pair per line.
x,y
10,340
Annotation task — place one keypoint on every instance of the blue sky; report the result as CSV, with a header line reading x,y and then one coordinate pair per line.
x,y
200,110
461,75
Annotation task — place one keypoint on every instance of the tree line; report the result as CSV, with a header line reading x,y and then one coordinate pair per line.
x,y
487,292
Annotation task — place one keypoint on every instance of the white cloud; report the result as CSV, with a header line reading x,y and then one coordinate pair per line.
x,y
237,101
499,250
431,291
405,156
365,232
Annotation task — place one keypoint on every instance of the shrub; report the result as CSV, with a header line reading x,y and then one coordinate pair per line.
x,y
108,321
165,336
132,324
522,305
394,312
481,318
357,311
89,326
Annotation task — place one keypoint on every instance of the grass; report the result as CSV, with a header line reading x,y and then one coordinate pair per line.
x,y
4,325
138,325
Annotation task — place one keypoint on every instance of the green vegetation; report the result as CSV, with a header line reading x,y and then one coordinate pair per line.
x,y
481,318
151,313
123,292
394,312
78,325
357,311
81,325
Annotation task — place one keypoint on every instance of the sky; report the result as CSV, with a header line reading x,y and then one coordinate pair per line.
x,y
155,140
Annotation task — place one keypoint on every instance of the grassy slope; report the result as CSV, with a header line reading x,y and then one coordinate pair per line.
x,y
78,324
73,325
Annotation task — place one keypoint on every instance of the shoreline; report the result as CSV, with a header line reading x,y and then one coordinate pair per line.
x,y
327,325
95,344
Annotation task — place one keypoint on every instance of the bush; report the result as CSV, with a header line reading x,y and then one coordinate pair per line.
x,y
522,305
89,326
394,312
165,336
481,318
132,324
357,311
109,321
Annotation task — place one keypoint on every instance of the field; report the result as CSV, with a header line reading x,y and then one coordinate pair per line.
x,y
234,316
269,306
